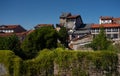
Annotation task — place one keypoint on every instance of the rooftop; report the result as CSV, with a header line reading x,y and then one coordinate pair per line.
x,y
73,17
105,25
105,17
116,18
9,26
9,34
45,25
41,25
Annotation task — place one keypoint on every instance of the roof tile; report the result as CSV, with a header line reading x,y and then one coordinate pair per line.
x,y
105,25
9,26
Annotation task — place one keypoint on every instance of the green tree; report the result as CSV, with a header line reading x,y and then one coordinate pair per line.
x,y
41,38
115,47
63,36
10,43
13,43
100,42
3,43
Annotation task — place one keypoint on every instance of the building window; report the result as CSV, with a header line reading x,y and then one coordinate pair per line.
x,y
108,30
97,30
109,36
12,31
4,30
115,30
115,35
93,30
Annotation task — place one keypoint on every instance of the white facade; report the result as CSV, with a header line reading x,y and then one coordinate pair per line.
x,y
7,31
71,24
112,33
105,21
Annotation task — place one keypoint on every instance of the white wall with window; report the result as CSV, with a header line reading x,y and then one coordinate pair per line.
x,y
111,33
7,31
104,21
108,30
115,36
114,29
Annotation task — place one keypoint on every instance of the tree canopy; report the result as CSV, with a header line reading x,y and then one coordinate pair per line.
x,y
41,38
100,42
63,35
10,43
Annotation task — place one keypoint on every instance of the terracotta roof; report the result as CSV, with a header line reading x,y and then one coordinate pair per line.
x,y
105,25
29,31
41,25
9,26
116,18
105,17
5,34
73,16
9,34
45,25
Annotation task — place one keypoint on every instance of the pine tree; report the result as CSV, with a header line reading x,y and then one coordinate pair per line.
x,y
100,42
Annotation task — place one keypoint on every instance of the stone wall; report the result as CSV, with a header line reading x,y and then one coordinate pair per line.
x,y
82,71
118,67
64,63
3,70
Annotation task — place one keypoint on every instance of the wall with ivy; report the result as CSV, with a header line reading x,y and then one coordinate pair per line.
x,y
59,62
10,63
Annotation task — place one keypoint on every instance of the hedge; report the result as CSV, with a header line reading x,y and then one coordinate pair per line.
x,y
74,63
11,63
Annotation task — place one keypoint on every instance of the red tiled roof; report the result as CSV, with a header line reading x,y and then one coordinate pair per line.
x,y
42,25
29,31
105,25
45,25
73,16
9,34
105,17
5,34
9,26
116,18
108,17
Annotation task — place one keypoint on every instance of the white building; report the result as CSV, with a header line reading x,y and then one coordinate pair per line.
x,y
111,27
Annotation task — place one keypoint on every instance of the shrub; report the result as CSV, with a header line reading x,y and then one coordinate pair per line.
x,y
66,62
11,62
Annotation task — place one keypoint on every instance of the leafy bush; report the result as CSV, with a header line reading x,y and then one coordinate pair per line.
x,y
100,42
71,62
41,38
11,62
63,36
61,62
42,65
11,43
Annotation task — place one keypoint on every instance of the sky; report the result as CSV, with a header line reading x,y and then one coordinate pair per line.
x,y
29,13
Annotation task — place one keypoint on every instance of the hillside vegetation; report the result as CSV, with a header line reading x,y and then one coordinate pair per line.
x,y
60,62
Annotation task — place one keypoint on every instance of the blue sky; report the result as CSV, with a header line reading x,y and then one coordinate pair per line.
x,y
29,13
